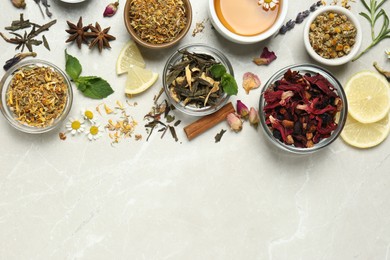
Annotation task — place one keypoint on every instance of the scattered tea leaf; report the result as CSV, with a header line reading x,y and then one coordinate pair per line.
x,y
218,137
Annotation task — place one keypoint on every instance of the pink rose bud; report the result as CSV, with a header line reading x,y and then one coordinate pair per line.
x,y
111,9
234,122
242,109
254,118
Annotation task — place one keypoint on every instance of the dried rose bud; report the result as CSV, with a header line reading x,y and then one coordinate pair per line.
x,y
250,81
266,57
234,122
19,3
242,109
254,118
111,9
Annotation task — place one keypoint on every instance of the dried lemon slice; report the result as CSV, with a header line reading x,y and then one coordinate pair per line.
x,y
368,97
129,55
139,80
365,135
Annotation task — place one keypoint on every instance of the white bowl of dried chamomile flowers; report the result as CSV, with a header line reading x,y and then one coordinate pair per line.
x,y
332,35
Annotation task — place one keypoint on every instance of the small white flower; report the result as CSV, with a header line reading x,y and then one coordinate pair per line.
x,y
268,4
88,115
387,51
94,132
75,126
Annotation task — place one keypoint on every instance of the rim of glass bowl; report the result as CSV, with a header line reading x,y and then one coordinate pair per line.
x,y
336,61
248,39
8,114
197,48
305,68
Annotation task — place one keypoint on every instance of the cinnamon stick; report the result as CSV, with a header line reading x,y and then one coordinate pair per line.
x,y
201,125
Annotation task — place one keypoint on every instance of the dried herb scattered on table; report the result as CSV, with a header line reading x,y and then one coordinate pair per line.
x,y
91,86
373,15
300,110
157,21
37,95
19,3
27,39
17,58
299,19
156,115
382,71
218,136
77,32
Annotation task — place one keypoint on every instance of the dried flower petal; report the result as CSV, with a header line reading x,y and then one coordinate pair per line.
x,y
242,109
266,57
234,122
19,3
250,81
111,9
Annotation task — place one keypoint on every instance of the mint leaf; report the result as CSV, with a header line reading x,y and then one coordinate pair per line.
x,y
72,66
94,87
217,71
229,84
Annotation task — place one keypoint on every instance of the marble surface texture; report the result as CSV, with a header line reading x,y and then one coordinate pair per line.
x,y
240,198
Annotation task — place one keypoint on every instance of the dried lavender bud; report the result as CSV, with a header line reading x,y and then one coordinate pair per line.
x,y
299,18
313,7
319,3
290,24
305,13
283,29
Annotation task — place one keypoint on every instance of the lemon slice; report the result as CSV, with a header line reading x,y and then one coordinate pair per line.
x,y
129,55
365,135
368,97
139,80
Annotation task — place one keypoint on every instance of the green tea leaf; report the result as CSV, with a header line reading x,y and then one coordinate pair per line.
x,y
72,66
94,87
217,70
229,84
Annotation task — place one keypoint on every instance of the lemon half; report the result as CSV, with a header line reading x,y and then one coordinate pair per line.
x,y
368,97
129,56
363,135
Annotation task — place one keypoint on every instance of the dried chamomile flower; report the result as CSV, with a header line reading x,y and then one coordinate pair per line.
x,y
387,51
88,115
75,126
269,4
94,132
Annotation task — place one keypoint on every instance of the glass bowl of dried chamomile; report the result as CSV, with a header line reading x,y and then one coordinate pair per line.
x,y
332,35
36,96
196,79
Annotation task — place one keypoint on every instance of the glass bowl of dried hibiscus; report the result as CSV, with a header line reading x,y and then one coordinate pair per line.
x,y
36,96
303,108
198,80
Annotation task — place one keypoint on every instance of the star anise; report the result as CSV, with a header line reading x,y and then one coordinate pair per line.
x,y
78,32
101,37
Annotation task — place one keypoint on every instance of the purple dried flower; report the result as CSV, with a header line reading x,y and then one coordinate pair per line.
x,y
111,9
242,109
266,57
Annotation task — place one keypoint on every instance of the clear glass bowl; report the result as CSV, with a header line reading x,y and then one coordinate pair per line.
x,y
9,114
340,117
175,58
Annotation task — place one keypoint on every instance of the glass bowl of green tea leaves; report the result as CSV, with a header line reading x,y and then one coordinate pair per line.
x,y
303,108
198,80
36,96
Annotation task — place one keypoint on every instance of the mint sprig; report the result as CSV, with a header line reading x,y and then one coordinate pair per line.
x,y
91,86
228,83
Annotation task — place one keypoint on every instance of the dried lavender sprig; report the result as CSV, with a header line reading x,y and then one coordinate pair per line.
x,y
299,19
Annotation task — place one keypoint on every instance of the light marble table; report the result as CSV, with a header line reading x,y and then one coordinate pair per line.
x,y
238,199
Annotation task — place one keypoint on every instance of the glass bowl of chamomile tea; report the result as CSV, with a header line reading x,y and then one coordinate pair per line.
x,y
198,80
36,96
247,21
